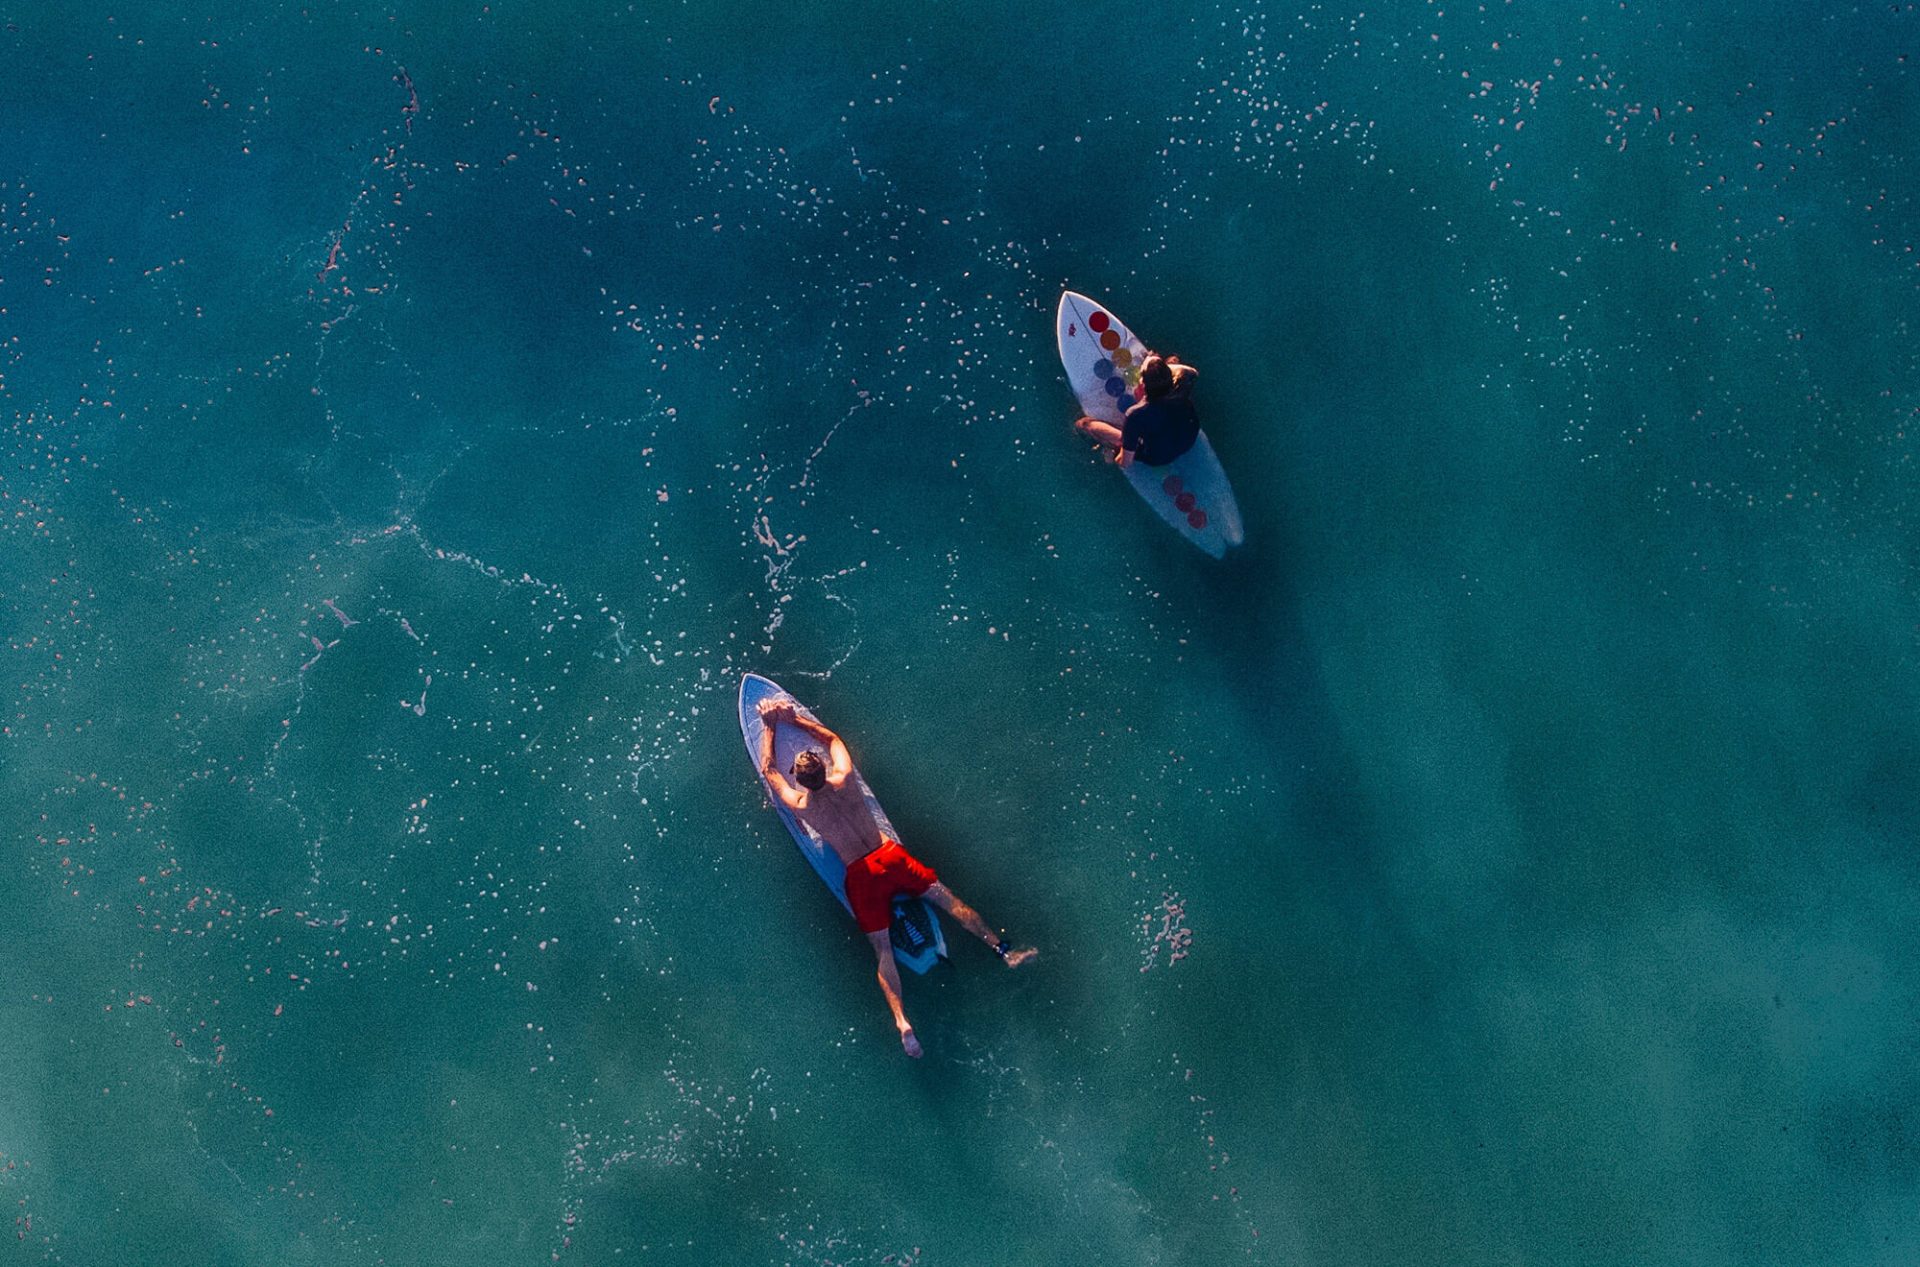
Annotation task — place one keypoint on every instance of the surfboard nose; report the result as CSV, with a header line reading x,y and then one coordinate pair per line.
x,y
753,685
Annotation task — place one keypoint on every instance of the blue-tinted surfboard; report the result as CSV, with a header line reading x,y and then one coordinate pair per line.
x,y
918,942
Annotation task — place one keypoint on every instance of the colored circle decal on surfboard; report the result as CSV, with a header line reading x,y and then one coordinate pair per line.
x,y
1102,359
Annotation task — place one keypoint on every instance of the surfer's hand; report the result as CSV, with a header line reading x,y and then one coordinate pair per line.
x,y
1015,958
773,711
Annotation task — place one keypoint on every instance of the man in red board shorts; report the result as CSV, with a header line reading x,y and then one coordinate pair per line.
x,y
878,869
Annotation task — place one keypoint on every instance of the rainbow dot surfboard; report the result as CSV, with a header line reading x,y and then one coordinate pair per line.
x,y
1102,360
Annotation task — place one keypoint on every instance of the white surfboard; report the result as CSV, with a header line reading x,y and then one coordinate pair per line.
x,y
918,941
1102,360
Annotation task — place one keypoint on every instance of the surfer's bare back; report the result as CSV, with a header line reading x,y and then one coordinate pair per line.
x,y
878,869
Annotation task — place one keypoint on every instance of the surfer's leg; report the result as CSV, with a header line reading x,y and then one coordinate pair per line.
x,y
1094,429
947,900
882,942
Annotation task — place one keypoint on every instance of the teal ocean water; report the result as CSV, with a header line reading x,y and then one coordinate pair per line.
x,y
416,420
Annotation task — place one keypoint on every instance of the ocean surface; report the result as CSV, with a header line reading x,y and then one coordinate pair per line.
x,y
414,421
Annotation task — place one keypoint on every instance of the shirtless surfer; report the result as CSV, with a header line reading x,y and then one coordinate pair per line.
x,y
823,797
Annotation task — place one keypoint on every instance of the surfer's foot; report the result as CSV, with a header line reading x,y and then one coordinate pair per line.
x,y
910,1043
1017,957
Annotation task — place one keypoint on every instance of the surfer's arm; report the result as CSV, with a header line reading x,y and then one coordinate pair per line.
x,y
841,765
790,796
839,760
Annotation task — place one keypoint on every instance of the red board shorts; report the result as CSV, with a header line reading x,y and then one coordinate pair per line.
x,y
879,877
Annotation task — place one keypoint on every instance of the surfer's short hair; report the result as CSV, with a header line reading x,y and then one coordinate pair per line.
x,y
1155,376
809,771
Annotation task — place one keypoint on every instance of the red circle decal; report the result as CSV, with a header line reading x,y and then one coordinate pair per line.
x,y
1198,518
1109,340
1097,322
1184,501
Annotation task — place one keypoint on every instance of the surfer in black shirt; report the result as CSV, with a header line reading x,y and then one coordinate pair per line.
x,y
1160,428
